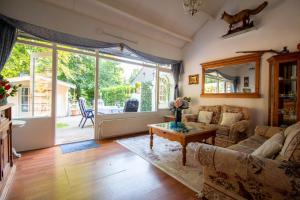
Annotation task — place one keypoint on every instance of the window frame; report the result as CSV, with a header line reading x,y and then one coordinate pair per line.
x,y
95,53
21,99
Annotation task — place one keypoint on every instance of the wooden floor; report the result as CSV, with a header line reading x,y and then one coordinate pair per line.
x,y
110,172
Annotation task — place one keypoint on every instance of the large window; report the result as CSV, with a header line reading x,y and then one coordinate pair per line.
x,y
126,87
125,84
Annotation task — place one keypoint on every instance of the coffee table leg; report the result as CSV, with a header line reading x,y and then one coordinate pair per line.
x,y
151,139
183,154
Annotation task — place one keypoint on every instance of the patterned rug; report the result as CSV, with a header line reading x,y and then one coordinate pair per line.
x,y
167,156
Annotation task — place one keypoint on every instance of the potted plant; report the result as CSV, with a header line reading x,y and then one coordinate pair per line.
x,y
6,90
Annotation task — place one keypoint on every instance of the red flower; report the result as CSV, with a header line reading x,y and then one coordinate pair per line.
x,y
1,96
7,87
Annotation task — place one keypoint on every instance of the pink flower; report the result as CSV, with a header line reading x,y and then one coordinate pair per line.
x,y
178,103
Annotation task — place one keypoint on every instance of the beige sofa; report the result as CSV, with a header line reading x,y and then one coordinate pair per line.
x,y
226,135
233,173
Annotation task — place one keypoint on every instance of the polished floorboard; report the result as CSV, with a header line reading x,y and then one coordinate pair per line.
x,y
110,172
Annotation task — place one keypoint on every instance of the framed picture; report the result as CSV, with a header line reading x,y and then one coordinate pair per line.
x,y
194,79
246,81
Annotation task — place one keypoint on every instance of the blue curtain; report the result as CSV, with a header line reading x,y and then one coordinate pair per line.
x,y
7,40
72,40
177,69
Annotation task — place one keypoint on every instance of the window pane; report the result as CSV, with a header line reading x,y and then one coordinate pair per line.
x,y
24,108
166,89
24,91
24,62
126,87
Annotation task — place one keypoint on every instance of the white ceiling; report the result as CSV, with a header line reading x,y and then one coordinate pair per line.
x,y
161,20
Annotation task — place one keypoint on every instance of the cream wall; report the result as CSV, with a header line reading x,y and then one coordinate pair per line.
x,y
47,15
278,26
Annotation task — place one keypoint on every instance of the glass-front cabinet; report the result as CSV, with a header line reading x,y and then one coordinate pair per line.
x,y
284,89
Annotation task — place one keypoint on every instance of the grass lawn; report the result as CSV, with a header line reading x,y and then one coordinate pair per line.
x,y
61,125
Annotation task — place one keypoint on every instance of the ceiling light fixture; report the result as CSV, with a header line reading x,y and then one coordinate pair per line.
x,y
192,6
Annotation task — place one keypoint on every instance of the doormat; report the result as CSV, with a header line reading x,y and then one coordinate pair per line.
x,y
78,146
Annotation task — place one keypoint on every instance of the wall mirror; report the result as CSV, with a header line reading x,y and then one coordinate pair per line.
x,y
232,77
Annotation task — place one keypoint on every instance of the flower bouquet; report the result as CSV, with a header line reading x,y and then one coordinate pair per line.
x,y
177,106
6,90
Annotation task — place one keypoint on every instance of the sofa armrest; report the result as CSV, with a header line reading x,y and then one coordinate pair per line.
x,y
190,118
253,174
267,131
237,128
222,160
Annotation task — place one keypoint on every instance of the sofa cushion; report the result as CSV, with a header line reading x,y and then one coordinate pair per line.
x,y
253,142
267,131
248,145
291,147
270,147
230,118
241,148
205,116
216,112
236,109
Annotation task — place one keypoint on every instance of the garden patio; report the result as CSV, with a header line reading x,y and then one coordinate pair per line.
x,y
67,130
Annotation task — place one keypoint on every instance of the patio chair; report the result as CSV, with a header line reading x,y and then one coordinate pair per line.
x,y
131,105
86,113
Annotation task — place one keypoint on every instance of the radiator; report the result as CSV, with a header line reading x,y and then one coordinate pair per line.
x,y
124,126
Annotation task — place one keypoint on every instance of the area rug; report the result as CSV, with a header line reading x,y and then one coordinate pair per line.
x,y
78,146
167,156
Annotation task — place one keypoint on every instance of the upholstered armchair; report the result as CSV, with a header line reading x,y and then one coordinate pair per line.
x,y
226,135
233,173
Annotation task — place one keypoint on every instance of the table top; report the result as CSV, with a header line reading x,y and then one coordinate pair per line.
x,y
180,128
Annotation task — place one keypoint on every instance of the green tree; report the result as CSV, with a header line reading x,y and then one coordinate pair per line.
x,y
111,74
19,60
78,69
146,96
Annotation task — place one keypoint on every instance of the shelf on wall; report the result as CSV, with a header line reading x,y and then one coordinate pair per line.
x,y
238,33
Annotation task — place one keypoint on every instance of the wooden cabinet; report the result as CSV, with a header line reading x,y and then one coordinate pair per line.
x,y
6,159
284,91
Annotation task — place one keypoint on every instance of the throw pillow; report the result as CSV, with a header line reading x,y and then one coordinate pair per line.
x,y
230,118
271,147
291,147
205,117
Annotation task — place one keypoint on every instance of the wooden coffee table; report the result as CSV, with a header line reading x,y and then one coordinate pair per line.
x,y
183,133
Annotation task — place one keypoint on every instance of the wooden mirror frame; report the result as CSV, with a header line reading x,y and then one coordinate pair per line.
x,y
231,61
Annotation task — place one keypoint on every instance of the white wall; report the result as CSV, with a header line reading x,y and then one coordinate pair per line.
x,y
53,17
278,26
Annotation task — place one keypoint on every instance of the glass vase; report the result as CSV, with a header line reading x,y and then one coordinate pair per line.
x,y
3,101
178,115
